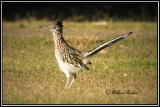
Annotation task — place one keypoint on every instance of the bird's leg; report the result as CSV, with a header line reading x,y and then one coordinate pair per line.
x,y
67,82
74,77
67,76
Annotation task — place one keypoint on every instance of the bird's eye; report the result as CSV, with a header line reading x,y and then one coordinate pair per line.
x,y
56,28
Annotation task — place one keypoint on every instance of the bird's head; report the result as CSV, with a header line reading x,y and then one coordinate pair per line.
x,y
56,27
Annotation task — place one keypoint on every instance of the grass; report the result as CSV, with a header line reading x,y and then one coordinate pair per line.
x,y
31,74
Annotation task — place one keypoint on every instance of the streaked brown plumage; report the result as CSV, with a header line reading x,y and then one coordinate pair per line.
x,y
70,60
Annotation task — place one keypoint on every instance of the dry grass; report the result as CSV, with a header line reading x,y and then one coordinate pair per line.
x,y
31,74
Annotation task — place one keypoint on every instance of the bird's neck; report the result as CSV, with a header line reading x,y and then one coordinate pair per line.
x,y
58,40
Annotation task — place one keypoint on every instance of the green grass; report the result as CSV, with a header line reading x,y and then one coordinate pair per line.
x,y
31,74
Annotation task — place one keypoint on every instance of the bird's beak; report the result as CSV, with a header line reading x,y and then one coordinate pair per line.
x,y
44,26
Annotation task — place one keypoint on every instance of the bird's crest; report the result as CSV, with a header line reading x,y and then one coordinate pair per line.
x,y
58,23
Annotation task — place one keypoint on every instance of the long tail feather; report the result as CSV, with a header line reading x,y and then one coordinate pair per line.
x,y
97,49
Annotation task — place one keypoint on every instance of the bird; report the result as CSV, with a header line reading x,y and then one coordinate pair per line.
x,y
71,61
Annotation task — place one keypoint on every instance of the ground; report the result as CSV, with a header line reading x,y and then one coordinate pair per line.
x,y
31,75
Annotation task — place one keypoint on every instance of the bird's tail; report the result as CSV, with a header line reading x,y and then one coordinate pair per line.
x,y
97,49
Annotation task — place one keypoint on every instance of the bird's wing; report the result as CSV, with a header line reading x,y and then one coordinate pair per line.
x,y
97,49
73,56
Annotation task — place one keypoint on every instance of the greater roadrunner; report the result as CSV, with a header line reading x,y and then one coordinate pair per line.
x,y
70,60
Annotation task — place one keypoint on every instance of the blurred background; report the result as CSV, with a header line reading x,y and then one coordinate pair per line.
x,y
81,11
